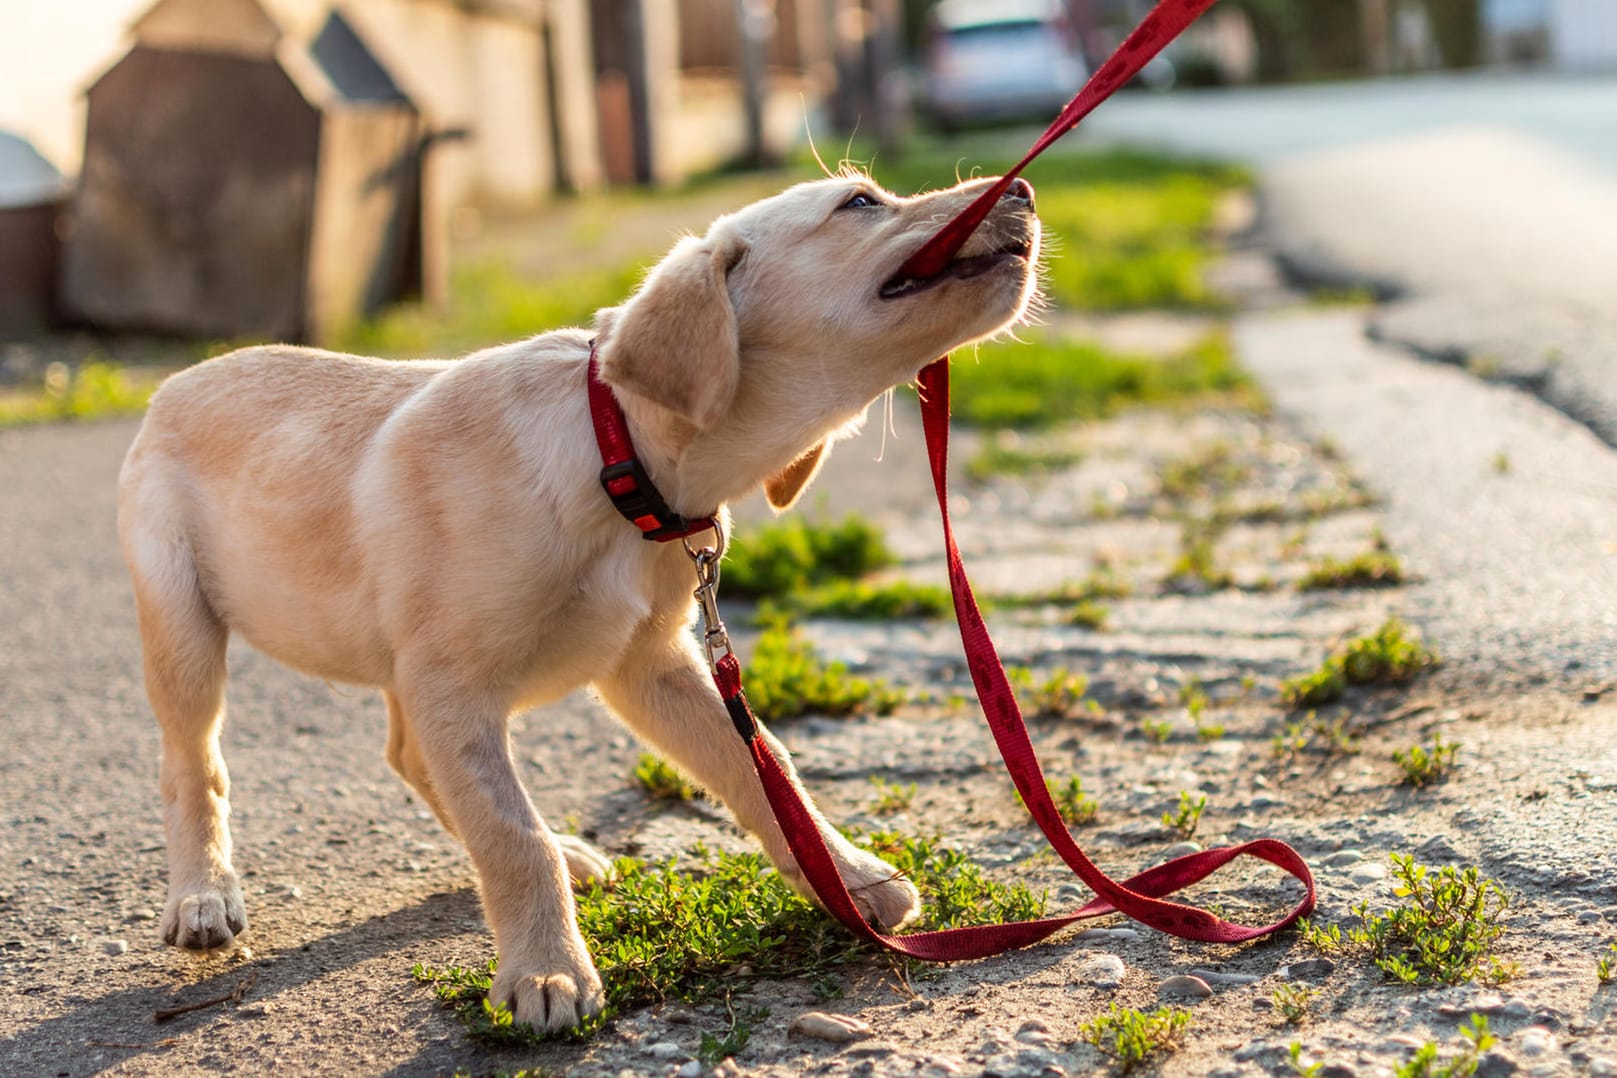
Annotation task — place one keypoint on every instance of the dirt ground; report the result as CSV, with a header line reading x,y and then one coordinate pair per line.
x,y
350,881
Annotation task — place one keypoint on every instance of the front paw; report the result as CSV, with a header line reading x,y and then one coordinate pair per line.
x,y
885,896
203,917
550,1002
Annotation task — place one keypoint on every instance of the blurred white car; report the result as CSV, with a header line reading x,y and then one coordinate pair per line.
x,y
1000,59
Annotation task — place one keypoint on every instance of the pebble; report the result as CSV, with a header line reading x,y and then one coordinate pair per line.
x,y
1101,971
1098,935
1181,849
1602,1066
1369,872
1213,976
1344,858
942,1064
1263,801
115,947
1535,1041
1184,986
1516,1007
1589,917
1309,969
146,913
835,1028
1401,1042
873,1049
691,1069
666,1050
1033,1031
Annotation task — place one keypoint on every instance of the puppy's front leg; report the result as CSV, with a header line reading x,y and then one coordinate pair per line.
x,y
545,973
664,692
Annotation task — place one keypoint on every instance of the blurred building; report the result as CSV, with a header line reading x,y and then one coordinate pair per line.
x,y
32,194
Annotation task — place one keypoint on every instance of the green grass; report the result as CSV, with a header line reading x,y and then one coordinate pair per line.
x,y
1372,569
1606,966
858,600
1422,766
1130,1036
1045,380
1208,470
890,797
96,390
1393,654
787,678
1195,569
796,553
661,781
1443,931
661,933
489,304
1056,696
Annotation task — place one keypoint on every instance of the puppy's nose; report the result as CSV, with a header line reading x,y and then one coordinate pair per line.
x,y
1020,190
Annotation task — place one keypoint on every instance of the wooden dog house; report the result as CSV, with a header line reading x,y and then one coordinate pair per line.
x,y
240,181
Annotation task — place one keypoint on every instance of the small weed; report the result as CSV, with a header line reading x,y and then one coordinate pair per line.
x,y
1294,1002
1392,654
786,678
1326,939
858,600
1076,807
1088,614
96,390
1158,730
661,781
1372,569
1606,968
1309,1069
1501,463
1443,933
1422,766
890,796
1059,694
1004,454
1196,568
1210,470
1189,815
1130,1036
1424,1063
794,554
1331,738
716,1049
1195,701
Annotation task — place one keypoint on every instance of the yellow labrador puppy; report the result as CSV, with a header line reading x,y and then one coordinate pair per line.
x,y
437,530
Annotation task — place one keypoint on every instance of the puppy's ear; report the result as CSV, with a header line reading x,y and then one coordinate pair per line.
x,y
786,486
675,341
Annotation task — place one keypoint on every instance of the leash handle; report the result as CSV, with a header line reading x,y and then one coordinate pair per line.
x,y
1165,22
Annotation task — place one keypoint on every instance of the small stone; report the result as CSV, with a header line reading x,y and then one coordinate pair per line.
x,y
691,1069
1213,976
145,913
1589,917
1400,1042
1101,971
1369,872
1602,1066
115,947
1535,1041
1184,986
1181,849
942,1064
1309,969
835,1028
1263,801
1344,858
1517,1008
1496,1065
873,1049
666,1050
1437,848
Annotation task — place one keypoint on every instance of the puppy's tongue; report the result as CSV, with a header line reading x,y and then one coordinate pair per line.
x,y
1166,21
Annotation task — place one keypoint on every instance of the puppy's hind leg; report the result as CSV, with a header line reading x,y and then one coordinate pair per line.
x,y
585,864
183,645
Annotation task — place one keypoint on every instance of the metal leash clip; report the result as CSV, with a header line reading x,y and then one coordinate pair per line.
x,y
706,560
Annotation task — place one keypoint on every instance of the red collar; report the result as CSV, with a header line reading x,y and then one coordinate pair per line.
x,y
632,492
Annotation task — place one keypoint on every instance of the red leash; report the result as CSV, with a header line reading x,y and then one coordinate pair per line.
x,y
1139,897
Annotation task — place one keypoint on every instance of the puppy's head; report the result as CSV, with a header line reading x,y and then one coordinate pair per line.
x,y
791,316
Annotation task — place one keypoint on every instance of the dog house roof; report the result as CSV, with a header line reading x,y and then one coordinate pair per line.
x,y
316,45
26,178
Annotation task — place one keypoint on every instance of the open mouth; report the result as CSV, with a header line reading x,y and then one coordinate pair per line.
x,y
958,270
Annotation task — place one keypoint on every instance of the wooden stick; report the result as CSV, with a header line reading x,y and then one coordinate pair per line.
x,y
233,996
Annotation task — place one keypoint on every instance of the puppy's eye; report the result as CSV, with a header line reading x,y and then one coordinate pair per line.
x,y
859,202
